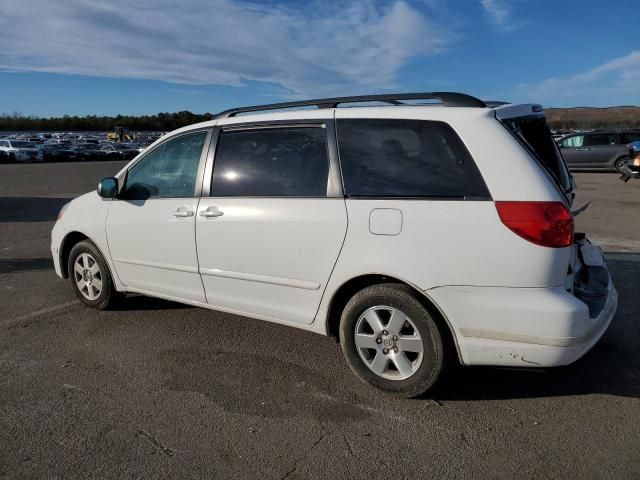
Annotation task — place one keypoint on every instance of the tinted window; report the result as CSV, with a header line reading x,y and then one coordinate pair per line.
x,y
600,139
629,137
271,163
169,170
534,133
573,142
406,158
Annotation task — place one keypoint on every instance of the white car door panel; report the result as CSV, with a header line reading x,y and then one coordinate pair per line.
x,y
269,257
152,245
269,236
151,225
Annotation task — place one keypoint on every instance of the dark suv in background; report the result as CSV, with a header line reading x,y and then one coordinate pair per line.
x,y
598,149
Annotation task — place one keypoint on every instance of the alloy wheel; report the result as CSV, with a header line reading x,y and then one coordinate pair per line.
x,y
388,342
87,275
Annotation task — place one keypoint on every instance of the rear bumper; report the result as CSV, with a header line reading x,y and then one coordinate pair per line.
x,y
522,327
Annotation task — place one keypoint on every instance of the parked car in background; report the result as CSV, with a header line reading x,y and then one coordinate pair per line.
x,y
56,141
419,235
59,152
136,146
598,149
119,151
21,151
89,152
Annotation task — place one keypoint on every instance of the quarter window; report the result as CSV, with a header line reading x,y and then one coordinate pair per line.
x,y
406,158
629,137
168,171
272,162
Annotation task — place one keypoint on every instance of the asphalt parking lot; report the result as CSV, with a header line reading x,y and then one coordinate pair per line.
x,y
161,390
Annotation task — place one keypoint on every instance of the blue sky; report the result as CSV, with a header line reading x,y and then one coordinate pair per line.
x,y
81,57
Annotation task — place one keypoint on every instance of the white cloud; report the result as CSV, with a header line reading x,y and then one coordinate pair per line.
x,y
616,81
321,48
500,13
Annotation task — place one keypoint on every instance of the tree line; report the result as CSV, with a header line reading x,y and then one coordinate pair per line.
x,y
566,118
160,122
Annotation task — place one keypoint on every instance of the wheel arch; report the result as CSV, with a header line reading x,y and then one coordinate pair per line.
x,y
349,288
620,157
68,242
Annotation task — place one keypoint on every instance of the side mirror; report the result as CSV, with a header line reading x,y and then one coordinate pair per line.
x,y
108,187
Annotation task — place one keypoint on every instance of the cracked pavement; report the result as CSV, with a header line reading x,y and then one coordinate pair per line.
x,y
161,390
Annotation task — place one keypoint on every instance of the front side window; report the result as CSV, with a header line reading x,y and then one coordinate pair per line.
x,y
169,171
406,158
271,162
573,142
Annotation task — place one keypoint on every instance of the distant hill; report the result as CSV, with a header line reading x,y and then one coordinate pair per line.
x,y
584,118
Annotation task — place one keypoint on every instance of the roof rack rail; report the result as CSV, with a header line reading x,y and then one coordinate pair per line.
x,y
449,99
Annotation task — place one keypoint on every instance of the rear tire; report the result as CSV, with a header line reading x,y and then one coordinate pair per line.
x,y
391,341
90,277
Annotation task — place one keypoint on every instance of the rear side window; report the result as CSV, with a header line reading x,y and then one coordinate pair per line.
x,y
599,139
278,162
406,158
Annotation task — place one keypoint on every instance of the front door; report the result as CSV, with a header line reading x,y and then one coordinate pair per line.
x,y
270,233
574,151
151,226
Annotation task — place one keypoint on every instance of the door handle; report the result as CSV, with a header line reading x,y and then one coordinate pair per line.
x,y
182,212
211,212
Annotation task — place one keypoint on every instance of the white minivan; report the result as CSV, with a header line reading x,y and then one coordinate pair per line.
x,y
419,233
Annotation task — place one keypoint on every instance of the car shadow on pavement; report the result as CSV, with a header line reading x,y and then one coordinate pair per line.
x,y
135,302
611,368
25,265
30,209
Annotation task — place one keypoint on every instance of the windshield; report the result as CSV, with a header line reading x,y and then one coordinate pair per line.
x,y
534,133
23,145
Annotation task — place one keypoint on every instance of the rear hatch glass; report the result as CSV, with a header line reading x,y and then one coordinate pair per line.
x,y
534,134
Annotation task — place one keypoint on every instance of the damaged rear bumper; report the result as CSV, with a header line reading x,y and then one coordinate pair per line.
x,y
530,327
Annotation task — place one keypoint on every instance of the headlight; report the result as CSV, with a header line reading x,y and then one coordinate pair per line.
x,y
636,162
62,210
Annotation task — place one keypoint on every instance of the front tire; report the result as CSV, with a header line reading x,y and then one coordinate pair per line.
x,y
89,276
620,163
391,341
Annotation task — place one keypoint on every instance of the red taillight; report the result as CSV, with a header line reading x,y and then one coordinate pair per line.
x,y
549,224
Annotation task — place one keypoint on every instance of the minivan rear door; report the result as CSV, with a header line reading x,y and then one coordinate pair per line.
x,y
602,149
272,219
